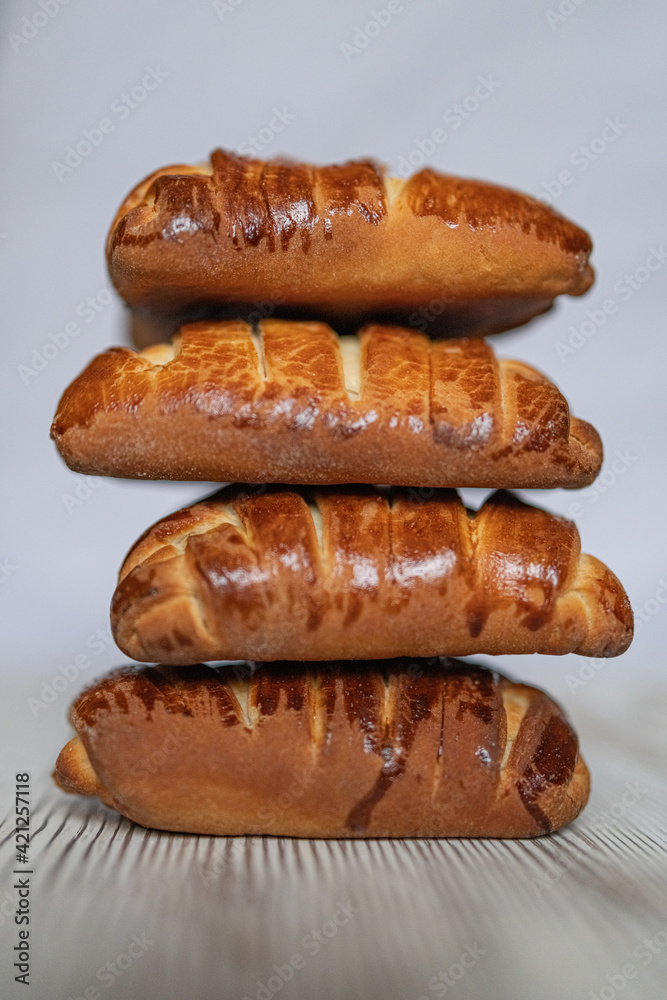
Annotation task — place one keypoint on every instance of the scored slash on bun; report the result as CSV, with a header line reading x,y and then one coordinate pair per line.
x,y
343,239
293,403
272,573
400,748
369,743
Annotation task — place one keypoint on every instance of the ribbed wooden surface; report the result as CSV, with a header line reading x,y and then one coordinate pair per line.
x,y
545,920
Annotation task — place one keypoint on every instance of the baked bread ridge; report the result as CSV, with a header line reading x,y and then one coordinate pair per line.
x,y
293,402
400,748
344,239
273,573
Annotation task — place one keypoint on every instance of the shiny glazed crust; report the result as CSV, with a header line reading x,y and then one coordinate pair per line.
x,y
271,573
397,748
294,403
344,239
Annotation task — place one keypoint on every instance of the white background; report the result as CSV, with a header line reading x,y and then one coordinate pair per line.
x,y
556,83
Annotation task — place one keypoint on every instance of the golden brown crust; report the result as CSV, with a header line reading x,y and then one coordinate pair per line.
x,y
399,748
344,239
74,772
276,573
294,403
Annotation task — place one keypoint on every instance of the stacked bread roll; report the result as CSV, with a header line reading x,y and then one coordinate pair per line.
x,y
335,603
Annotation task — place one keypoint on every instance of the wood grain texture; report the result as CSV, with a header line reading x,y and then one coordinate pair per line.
x,y
558,914
294,403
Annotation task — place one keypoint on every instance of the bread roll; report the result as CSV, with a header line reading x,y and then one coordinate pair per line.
x,y
355,573
294,403
385,749
343,239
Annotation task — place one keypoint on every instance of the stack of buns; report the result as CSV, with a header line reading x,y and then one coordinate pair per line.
x,y
340,575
